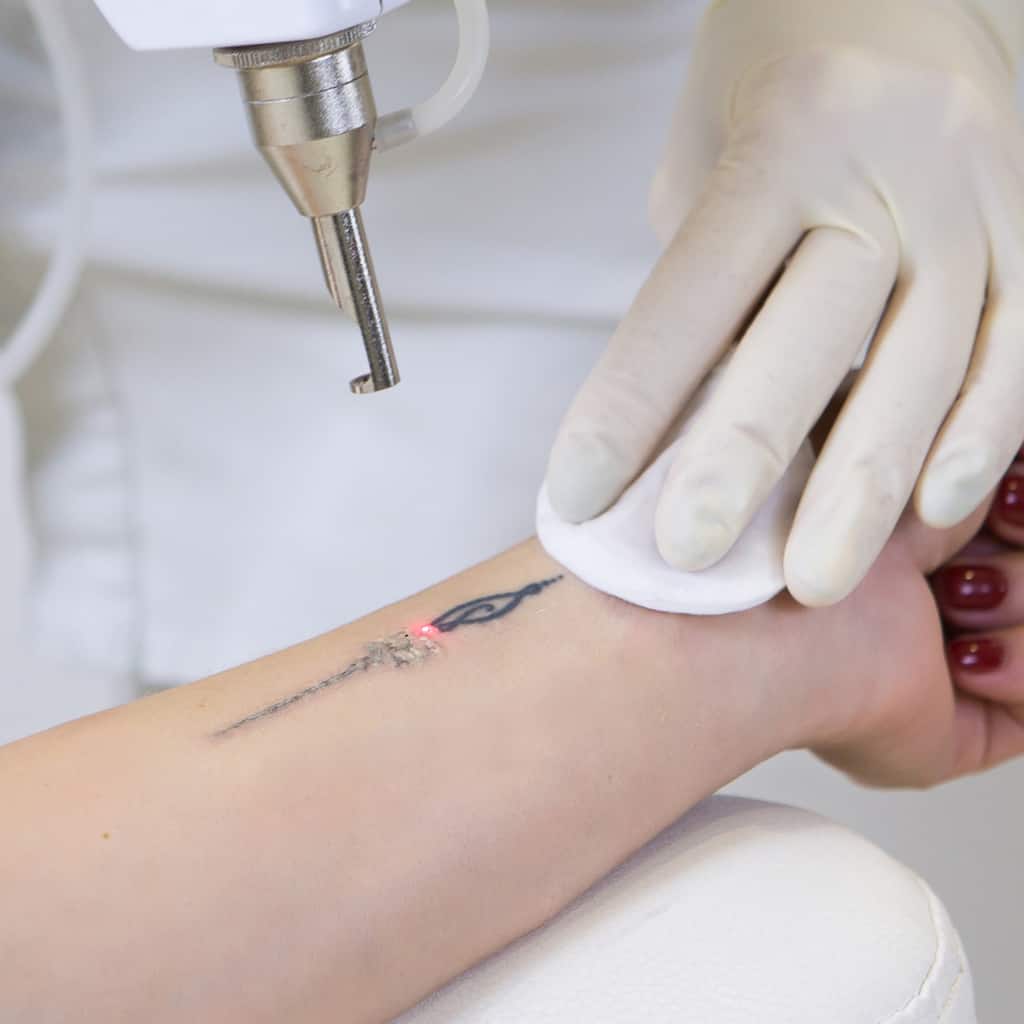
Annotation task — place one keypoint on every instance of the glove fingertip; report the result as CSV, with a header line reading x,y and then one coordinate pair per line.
x,y
692,538
584,478
953,487
820,577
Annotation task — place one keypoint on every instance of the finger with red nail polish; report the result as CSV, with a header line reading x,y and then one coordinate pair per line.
x,y
1010,500
990,665
971,587
1006,519
977,654
981,592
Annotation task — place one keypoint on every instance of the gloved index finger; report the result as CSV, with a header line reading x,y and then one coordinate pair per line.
x,y
698,297
787,367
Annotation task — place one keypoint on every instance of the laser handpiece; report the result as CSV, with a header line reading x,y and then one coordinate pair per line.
x,y
312,116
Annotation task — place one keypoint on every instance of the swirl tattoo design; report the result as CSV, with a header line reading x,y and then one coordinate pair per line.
x,y
404,648
487,609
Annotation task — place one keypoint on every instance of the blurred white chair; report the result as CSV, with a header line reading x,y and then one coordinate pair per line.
x,y
742,913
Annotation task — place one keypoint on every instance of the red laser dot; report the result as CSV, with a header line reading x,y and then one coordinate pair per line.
x,y
428,630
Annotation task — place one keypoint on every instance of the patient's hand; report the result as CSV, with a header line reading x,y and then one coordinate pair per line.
x,y
939,624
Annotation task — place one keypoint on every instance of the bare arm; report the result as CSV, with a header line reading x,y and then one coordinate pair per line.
x,y
332,832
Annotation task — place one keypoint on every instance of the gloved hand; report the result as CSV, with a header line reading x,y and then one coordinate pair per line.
x,y
845,162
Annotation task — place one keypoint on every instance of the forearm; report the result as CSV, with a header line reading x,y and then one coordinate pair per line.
x,y
219,853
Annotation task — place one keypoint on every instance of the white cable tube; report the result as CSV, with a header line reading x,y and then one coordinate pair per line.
x,y
40,320
470,61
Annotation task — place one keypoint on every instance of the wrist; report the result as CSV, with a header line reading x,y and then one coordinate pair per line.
x,y
752,681
756,676
777,677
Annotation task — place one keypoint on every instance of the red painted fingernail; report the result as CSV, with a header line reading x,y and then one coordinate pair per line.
x,y
978,654
1010,503
972,587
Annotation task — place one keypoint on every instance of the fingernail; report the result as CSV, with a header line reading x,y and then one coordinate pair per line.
x,y
954,484
694,537
979,654
1010,503
581,479
830,551
972,587
702,543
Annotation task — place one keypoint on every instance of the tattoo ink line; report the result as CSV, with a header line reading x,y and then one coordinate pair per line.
x,y
402,649
487,609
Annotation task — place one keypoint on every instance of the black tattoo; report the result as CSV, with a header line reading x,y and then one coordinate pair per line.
x,y
404,648
487,609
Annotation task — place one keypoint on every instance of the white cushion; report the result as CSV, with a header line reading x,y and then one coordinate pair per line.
x,y
742,913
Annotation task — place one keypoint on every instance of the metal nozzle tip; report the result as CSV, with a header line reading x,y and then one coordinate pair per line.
x,y
353,284
363,385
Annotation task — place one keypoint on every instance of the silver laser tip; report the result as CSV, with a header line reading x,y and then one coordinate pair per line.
x,y
313,117
348,270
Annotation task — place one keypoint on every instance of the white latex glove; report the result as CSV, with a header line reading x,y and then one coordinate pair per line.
x,y
871,151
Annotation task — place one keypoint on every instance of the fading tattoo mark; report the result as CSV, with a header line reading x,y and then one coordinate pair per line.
x,y
398,650
402,649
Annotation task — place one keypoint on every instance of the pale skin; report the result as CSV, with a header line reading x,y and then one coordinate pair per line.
x,y
187,858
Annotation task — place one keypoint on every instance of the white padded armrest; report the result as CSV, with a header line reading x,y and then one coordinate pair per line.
x,y
742,913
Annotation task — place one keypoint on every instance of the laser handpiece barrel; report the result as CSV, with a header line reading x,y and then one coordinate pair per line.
x,y
352,283
313,118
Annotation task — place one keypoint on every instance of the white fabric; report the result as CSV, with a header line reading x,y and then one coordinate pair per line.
x,y
871,154
617,552
203,488
1006,18
21,343
743,913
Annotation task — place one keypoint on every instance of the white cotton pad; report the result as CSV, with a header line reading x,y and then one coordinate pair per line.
x,y
617,553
